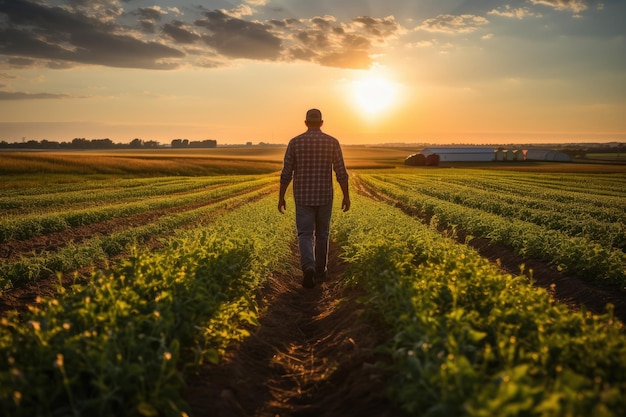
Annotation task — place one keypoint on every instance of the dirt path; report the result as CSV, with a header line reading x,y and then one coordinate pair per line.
x,y
312,355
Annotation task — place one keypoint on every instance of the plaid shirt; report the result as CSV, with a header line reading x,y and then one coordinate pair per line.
x,y
309,160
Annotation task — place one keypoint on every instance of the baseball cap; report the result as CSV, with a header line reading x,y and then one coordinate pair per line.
x,y
313,115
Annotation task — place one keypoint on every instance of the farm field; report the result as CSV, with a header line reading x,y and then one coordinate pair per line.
x,y
167,283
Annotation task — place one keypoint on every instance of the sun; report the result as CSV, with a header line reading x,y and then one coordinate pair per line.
x,y
373,94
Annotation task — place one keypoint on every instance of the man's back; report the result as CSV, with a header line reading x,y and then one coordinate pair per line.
x,y
309,162
313,155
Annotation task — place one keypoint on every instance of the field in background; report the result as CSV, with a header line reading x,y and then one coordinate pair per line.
x,y
607,157
19,167
28,167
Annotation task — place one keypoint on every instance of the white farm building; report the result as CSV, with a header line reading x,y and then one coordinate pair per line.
x,y
509,155
547,155
454,154
428,156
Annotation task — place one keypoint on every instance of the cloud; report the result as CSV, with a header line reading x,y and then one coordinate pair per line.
x,y
37,31
239,11
320,39
424,44
179,32
508,11
381,28
149,16
238,38
327,42
575,6
91,32
153,13
431,43
103,10
20,62
447,23
5,95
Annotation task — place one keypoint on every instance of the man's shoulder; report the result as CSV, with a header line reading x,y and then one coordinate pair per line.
x,y
300,136
326,135
317,134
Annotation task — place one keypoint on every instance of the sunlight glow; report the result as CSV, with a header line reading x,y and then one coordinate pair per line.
x,y
373,94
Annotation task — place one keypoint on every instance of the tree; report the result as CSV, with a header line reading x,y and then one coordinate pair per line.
x,y
80,143
180,143
136,143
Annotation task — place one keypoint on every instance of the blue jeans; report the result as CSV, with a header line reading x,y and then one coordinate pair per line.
x,y
313,224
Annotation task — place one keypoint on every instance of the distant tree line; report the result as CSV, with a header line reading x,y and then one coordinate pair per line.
x,y
82,143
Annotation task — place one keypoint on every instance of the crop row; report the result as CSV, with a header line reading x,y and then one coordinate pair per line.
x,y
99,249
610,185
18,227
589,197
102,192
586,217
468,340
597,183
122,343
579,255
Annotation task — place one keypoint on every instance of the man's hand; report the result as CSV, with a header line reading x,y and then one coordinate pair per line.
x,y
282,206
345,204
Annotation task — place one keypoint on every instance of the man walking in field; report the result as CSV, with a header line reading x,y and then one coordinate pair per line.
x,y
309,161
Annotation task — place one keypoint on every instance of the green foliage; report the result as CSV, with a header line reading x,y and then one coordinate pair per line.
x,y
121,343
469,340
484,207
19,226
97,250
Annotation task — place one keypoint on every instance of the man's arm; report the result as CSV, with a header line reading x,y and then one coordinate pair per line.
x,y
286,176
342,176
345,203
282,205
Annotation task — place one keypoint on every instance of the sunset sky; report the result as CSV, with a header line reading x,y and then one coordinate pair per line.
x,y
437,71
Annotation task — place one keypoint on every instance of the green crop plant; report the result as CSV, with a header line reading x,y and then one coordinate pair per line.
x,y
589,213
122,342
468,340
21,227
97,250
579,255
